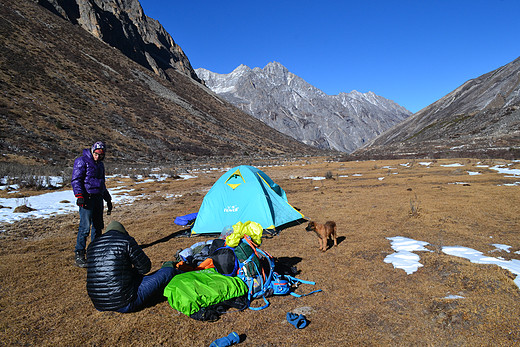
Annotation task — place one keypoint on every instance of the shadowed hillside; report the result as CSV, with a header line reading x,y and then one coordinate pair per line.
x,y
62,89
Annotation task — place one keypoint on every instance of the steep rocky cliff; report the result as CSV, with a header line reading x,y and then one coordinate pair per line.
x,y
289,104
481,117
123,25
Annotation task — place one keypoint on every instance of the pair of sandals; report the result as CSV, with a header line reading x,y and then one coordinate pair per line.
x,y
299,321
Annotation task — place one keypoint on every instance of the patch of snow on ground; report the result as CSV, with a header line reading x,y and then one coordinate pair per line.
x,y
502,247
169,196
44,205
314,178
409,262
452,165
477,257
148,180
11,186
473,173
404,258
512,184
453,297
187,176
52,204
425,163
503,170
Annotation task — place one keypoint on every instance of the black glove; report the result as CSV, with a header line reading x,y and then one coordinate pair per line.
x,y
109,207
80,201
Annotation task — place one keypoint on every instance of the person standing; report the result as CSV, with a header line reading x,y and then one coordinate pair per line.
x,y
88,185
116,268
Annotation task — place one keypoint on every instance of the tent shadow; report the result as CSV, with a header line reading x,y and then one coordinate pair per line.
x,y
180,233
291,224
271,233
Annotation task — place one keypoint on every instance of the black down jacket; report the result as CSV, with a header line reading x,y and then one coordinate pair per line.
x,y
115,267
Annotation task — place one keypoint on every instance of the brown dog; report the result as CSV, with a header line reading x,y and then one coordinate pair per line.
x,y
324,232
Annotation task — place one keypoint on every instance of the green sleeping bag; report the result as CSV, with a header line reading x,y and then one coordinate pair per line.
x,y
190,291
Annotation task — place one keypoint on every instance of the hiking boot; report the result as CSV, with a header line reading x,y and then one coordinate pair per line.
x,y
80,259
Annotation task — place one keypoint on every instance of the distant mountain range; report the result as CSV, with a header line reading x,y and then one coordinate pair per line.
x,y
478,119
289,104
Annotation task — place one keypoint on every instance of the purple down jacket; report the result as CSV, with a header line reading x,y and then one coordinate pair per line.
x,y
88,177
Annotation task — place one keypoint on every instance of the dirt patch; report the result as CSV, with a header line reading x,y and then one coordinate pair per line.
x,y
23,209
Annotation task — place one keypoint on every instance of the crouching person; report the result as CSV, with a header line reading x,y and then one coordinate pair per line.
x,y
116,268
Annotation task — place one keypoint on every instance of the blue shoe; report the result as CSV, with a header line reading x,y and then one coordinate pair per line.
x,y
299,321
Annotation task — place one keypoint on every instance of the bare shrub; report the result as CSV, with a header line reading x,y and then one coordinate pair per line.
x,y
414,206
66,176
31,176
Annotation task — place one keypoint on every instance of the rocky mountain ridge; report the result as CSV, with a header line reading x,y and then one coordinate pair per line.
x,y
286,102
481,117
63,89
123,25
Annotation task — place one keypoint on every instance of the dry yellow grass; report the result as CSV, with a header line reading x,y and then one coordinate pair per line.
x,y
364,301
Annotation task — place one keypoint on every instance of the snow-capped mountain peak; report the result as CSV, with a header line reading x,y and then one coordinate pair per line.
x,y
288,103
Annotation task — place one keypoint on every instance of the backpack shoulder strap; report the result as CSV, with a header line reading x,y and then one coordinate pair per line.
x,y
295,280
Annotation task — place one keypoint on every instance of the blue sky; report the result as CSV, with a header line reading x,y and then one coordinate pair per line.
x,y
410,51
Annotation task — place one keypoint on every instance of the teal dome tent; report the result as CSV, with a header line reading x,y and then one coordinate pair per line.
x,y
243,194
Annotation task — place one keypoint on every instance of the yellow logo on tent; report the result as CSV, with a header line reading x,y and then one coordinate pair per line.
x,y
235,179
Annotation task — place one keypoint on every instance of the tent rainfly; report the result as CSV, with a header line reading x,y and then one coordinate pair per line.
x,y
243,194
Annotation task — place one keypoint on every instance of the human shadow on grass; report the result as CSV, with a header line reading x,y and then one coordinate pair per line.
x,y
157,297
154,300
180,233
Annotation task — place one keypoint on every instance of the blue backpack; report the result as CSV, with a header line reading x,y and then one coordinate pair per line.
x,y
256,269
